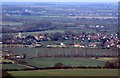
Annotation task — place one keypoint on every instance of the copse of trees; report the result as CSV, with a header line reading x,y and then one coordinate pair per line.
x,y
56,36
5,74
112,64
59,64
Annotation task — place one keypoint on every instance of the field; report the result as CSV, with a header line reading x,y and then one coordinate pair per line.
x,y
12,66
47,31
50,62
69,72
11,23
6,60
106,59
76,30
48,57
38,52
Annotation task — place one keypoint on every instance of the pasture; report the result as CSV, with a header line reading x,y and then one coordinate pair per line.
x,y
48,57
12,66
6,60
11,23
75,62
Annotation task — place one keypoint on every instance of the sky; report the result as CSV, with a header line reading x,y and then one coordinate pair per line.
x,y
60,0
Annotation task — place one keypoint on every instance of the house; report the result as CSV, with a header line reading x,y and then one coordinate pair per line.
x,y
118,46
39,37
60,45
78,45
8,55
20,56
93,37
51,46
107,44
38,45
1,43
94,45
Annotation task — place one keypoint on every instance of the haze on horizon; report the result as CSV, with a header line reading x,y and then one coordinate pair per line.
x,y
60,0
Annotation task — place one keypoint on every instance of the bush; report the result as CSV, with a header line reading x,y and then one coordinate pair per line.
x,y
113,63
59,64
6,63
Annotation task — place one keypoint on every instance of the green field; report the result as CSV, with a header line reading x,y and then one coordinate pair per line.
x,y
50,62
75,30
47,31
12,66
6,60
11,23
68,72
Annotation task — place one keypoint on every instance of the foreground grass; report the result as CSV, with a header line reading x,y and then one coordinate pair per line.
x,y
67,72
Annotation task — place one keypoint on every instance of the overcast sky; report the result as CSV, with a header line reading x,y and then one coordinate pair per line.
x,y
60,0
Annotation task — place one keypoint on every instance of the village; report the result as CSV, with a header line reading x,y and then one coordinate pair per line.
x,y
82,40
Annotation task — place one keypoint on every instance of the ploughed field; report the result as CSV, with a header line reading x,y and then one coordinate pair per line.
x,y
60,52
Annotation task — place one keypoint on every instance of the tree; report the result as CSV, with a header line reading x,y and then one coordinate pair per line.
x,y
59,64
109,64
112,64
56,36
5,74
69,32
7,36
